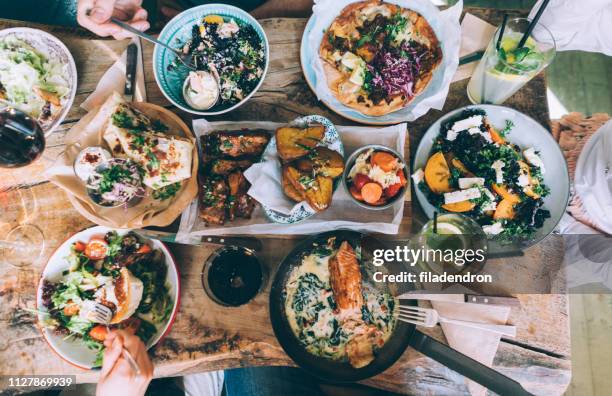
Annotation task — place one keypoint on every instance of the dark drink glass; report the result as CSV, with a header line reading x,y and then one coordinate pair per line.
x,y
22,139
233,276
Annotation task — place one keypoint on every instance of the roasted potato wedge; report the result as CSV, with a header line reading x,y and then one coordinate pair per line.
x,y
319,196
323,161
316,191
288,187
292,142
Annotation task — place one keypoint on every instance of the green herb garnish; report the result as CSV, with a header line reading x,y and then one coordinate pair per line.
x,y
166,192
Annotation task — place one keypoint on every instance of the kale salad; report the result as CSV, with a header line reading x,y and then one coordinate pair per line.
x,y
122,273
229,49
475,169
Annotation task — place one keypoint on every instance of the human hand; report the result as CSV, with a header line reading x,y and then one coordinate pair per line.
x,y
117,376
95,15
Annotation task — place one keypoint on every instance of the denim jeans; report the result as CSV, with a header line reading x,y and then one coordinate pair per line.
x,y
270,381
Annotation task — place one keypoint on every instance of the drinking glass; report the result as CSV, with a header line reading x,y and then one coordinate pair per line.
x,y
501,72
22,243
22,139
454,232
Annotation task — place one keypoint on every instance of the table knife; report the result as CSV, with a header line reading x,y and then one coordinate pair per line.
x,y
463,298
246,242
130,72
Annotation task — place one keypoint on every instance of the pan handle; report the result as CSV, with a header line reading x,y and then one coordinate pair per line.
x,y
465,365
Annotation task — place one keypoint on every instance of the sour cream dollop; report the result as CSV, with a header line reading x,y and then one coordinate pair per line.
x,y
201,90
88,159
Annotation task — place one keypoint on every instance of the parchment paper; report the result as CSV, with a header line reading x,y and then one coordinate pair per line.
x,y
446,26
149,212
343,212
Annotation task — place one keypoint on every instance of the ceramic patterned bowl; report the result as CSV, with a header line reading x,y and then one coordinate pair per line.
x,y
177,31
51,47
330,140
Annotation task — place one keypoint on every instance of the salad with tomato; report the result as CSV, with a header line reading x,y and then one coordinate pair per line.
x,y
377,178
121,272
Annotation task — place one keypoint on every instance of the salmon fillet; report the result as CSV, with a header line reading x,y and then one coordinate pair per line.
x,y
345,278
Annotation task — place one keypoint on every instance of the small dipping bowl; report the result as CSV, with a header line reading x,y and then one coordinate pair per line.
x,y
96,198
208,87
350,162
232,276
88,160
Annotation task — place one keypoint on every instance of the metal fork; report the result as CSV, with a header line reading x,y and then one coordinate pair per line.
x,y
185,59
103,314
428,317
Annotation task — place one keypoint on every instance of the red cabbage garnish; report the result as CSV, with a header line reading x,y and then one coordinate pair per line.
x,y
394,73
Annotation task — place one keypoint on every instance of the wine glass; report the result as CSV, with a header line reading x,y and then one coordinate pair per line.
x,y
24,242
22,140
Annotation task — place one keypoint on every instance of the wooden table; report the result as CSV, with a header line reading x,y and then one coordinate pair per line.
x,y
208,337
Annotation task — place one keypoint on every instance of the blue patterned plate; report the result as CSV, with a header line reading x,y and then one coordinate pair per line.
x,y
178,30
331,140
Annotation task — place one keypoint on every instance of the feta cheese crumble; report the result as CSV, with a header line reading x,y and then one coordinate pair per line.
x,y
493,229
467,182
534,159
461,195
418,176
499,174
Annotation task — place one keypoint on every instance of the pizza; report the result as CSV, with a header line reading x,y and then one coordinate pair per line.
x,y
377,57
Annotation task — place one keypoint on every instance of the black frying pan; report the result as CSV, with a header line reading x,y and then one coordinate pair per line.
x,y
404,335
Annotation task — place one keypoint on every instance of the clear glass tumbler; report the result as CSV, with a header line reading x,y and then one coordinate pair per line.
x,y
501,72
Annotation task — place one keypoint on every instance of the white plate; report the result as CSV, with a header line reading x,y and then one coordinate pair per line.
x,y
75,352
51,46
525,133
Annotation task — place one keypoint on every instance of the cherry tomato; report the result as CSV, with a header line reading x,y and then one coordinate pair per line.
x,y
98,332
392,190
96,249
144,249
80,246
360,180
71,309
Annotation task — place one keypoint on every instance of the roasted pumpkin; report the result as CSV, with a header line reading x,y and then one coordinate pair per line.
x,y
293,142
319,196
316,191
288,188
496,137
458,207
459,165
323,161
437,174
505,210
502,190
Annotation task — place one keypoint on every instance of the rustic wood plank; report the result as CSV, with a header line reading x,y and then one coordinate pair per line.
x,y
206,336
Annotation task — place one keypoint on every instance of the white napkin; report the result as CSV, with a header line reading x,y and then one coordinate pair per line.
x,y
266,186
577,25
593,178
265,179
480,345
448,30
114,81
475,36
